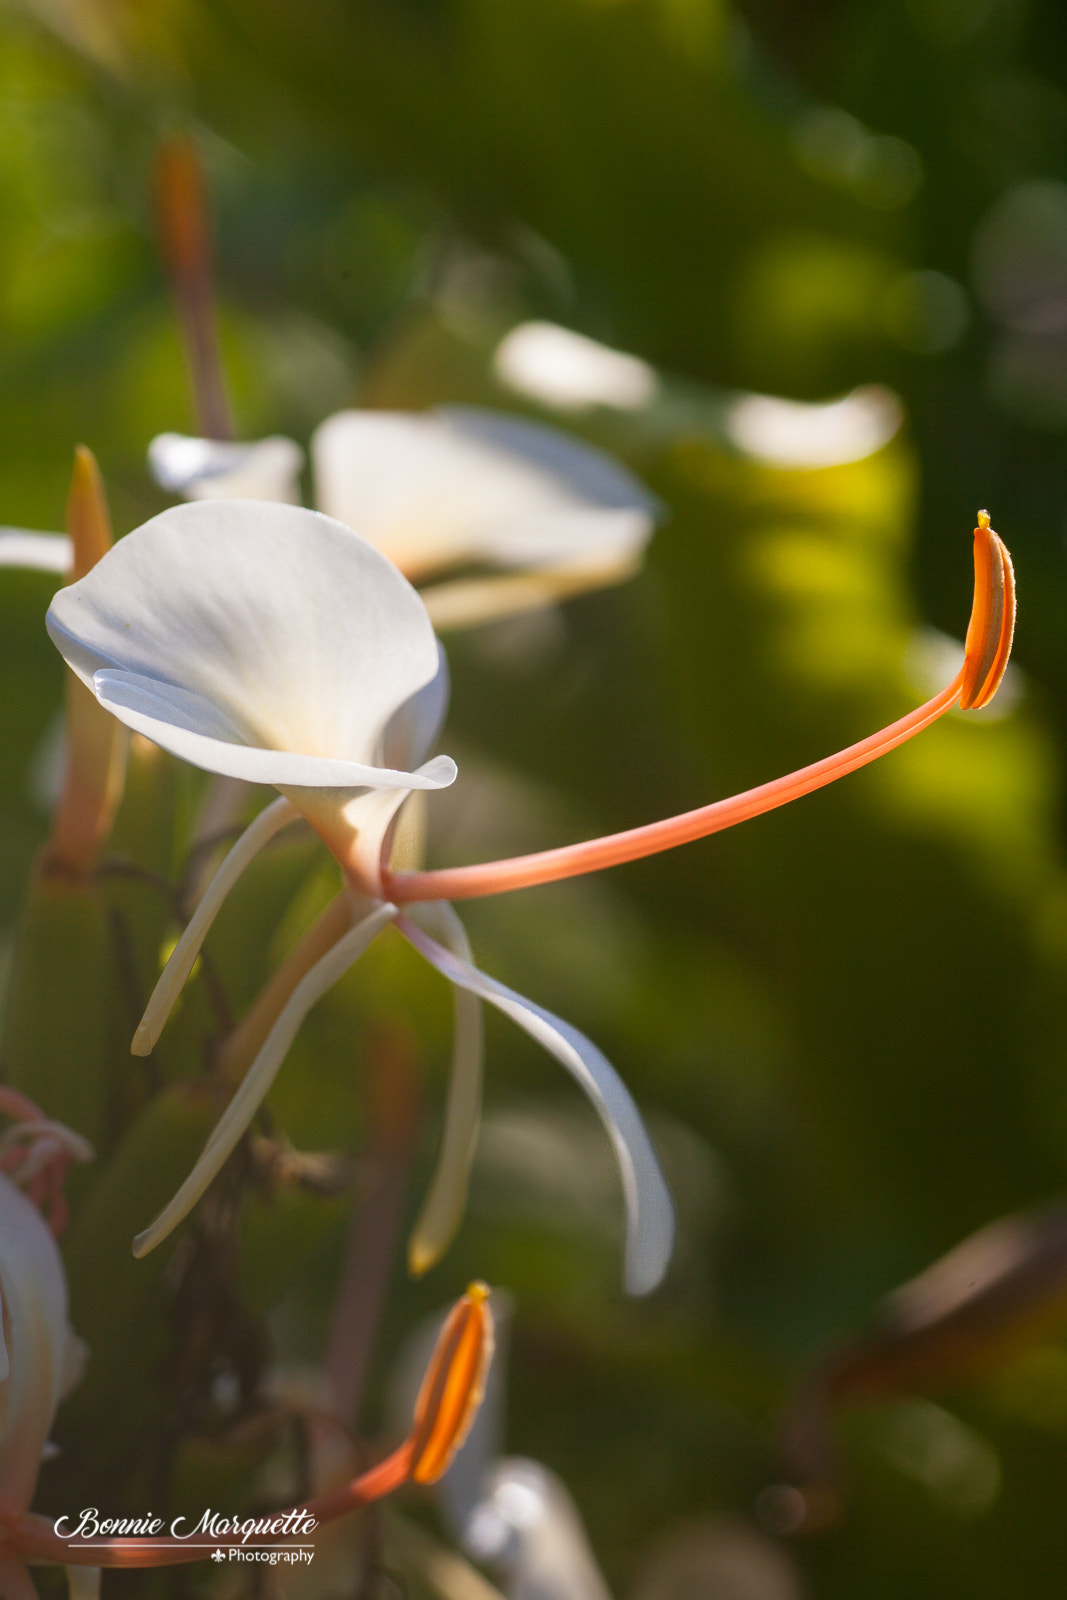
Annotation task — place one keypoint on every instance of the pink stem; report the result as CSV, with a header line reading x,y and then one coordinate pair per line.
x,y
593,855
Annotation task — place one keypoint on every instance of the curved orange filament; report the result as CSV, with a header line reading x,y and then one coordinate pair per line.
x,y
989,636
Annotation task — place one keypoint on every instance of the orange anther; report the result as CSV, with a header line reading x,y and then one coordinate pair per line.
x,y
452,1388
992,624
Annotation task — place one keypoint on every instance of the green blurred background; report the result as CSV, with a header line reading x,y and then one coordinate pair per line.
x,y
846,1020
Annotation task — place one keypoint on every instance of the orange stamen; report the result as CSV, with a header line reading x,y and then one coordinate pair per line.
x,y
453,1386
992,624
989,637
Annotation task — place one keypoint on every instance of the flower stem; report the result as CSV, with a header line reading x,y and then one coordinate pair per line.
x,y
593,855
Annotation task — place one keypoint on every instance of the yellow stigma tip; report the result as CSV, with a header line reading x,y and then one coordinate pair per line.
x,y
983,519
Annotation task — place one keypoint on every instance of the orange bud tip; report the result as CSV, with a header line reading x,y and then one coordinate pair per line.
x,y
992,623
453,1386
88,518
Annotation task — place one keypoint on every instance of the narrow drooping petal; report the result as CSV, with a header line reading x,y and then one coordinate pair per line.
x,y
172,979
261,1074
35,1343
649,1212
217,469
443,1208
39,552
463,484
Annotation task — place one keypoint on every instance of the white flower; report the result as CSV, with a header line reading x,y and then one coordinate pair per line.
x,y
439,489
269,643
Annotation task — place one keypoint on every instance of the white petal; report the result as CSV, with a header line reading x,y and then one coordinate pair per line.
x,y
797,433
415,726
173,978
189,726
215,469
442,1210
649,1212
40,552
260,641
465,484
261,1074
566,369
35,1319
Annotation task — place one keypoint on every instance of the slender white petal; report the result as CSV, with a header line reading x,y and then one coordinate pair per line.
x,y
216,469
259,641
465,484
34,1295
174,976
261,1074
41,552
442,1210
649,1212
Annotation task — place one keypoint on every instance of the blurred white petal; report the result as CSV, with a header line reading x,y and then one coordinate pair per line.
x,y
215,469
528,1526
568,370
793,433
462,484
649,1212
34,1366
40,552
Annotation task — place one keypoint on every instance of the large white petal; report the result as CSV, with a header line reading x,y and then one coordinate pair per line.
x,y
34,1295
189,726
464,484
649,1211
442,1210
265,629
261,1074
40,552
216,469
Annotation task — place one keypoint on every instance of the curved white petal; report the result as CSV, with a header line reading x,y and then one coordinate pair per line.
x,y
465,484
259,641
40,552
175,974
261,1074
442,1210
216,469
649,1211
34,1295
167,716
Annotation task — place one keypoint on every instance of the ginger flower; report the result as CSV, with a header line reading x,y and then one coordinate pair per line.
x,y
270,643
543,515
